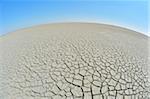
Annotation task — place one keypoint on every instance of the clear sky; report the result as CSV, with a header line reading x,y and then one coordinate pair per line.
x,y
16,14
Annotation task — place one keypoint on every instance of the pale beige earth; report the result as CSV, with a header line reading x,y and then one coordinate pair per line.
x,y
74,61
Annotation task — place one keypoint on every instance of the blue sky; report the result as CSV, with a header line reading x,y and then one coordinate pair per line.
x,y
16,14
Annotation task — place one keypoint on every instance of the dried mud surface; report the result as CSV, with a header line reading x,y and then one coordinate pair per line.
x,y
74,61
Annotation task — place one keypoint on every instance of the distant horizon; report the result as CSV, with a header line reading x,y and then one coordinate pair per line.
x,y
16,15
115,25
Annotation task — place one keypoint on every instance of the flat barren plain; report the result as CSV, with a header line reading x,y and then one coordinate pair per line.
x,y
74,61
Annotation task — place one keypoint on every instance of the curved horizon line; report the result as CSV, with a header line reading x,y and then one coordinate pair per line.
x,y
77,22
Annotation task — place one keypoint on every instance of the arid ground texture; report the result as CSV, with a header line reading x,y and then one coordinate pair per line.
x,y
74,61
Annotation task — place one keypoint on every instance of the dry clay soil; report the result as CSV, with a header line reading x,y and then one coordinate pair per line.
x,y
74,61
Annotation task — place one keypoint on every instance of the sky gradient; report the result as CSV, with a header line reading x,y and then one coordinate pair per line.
x,y
15,14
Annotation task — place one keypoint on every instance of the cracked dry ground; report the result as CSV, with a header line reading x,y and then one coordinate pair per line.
x,y
77,65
